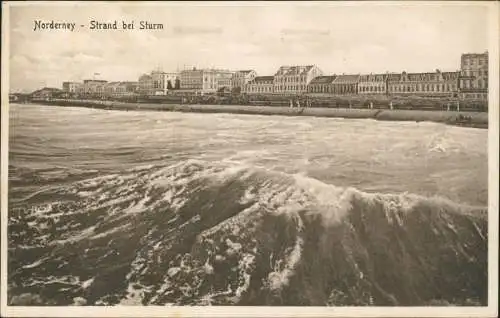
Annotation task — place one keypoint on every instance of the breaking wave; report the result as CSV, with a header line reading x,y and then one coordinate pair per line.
x,y
201,233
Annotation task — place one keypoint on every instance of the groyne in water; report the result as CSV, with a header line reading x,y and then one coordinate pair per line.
x,y
468,119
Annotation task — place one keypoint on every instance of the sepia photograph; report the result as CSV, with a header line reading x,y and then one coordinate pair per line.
x,y
250,159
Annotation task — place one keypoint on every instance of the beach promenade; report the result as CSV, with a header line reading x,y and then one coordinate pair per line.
x,y
468,119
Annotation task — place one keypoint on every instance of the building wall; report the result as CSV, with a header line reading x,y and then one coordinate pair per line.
x,y
240,79
295,83
372,84
347,88
325,88
156,83
422,88
424,84
145,84
93,88
71,87
207,81
259,88
474,76
191,79
224,79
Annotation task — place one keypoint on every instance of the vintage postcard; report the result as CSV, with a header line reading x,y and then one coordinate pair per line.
x,y
241,159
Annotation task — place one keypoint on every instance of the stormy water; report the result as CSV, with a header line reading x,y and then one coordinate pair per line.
x,y
151,208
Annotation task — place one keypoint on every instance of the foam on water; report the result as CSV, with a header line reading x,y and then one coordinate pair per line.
x,y
245,226
230,233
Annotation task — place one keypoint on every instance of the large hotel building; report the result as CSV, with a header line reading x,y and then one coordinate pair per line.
x,y
205,80
474,76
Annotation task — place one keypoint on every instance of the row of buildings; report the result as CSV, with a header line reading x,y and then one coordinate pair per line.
x,y
471,81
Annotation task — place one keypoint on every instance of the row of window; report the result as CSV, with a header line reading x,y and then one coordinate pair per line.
x,y
371,89
471,84
376,89
476,73
289,79
291,87
475,61
472,95
260,89
424,88
330,89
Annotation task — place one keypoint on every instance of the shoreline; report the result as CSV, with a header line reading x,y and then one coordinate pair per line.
x,y
472,119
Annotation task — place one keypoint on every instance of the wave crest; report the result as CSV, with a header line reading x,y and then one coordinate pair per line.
x,y
200,233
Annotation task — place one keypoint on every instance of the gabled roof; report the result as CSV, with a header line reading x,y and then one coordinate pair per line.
x,y
348,79
322,80
293,70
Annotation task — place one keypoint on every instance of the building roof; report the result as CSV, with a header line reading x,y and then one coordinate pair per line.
x,y
48,89
474,54
293,70
262,80
322,80
113,84
394,77
450,75
373,77
245,71
348,79
428,76
94,81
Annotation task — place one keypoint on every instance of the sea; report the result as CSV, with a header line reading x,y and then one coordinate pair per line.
x,y
111,207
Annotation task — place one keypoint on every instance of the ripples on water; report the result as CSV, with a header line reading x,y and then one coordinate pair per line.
x,y
109,207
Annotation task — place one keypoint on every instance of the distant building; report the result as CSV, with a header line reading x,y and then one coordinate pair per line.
x,y
474,76
71,87
145,84
46,93
157,82
294,79
205,80
260,85
372,84
120,89
321,84
345,84
94,88
192,79
425,84
224,79
241,78
13,97
163,82
393,81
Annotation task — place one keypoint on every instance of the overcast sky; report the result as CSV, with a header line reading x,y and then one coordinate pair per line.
x,y
352,38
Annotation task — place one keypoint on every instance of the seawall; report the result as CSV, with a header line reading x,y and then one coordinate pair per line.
x,y
467,119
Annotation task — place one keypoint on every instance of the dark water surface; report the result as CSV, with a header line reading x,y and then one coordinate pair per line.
x,y
112,207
